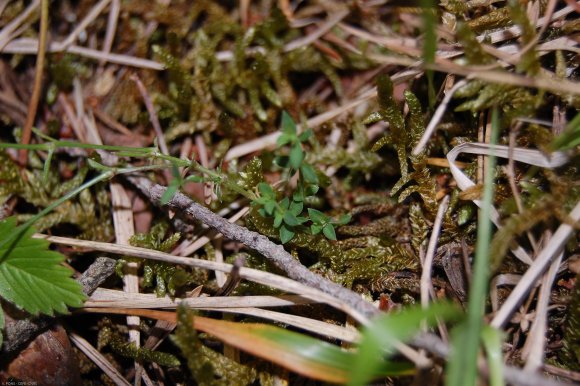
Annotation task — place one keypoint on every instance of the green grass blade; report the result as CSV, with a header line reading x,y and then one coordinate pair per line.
x,y
492,339
381,336
468,341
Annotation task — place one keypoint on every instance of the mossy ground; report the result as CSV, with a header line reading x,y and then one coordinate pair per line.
x,y
230,70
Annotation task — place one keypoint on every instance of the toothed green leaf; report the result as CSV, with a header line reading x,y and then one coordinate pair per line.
x,y
31,275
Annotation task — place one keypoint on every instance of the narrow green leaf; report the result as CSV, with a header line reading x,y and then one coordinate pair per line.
x,y
570,138
311,190
288,124
305,135
478,288
290,219
296,207
269,207
175,172
283,139
296,156
344,219
46,166
308,173
31,276
169,192
327,358
298,195
286,234
278,220
329,232
266,190
492,340
316,229
380,337
285,203
194,178
317,216
456,362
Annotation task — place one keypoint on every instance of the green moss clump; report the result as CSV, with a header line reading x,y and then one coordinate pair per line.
x,y
570,354
89,212
108,337
206,365
167,278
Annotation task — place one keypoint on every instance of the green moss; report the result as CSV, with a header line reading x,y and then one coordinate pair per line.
x,y
166,278
419,227
474,52
89,212
494,19
528,62
108,337
570,354
206,365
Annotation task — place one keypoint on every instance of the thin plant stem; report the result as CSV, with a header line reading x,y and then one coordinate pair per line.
x,y
108,173
478,290
33,105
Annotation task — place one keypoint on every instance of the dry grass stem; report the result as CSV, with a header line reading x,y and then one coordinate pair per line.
x,y
9,31
98,359
37,87
152,114
84,23
540,264
111,27
103,297
436,118
30,46
254,275
534,348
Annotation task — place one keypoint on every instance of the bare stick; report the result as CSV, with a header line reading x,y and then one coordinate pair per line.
x,y
99,359
260,243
